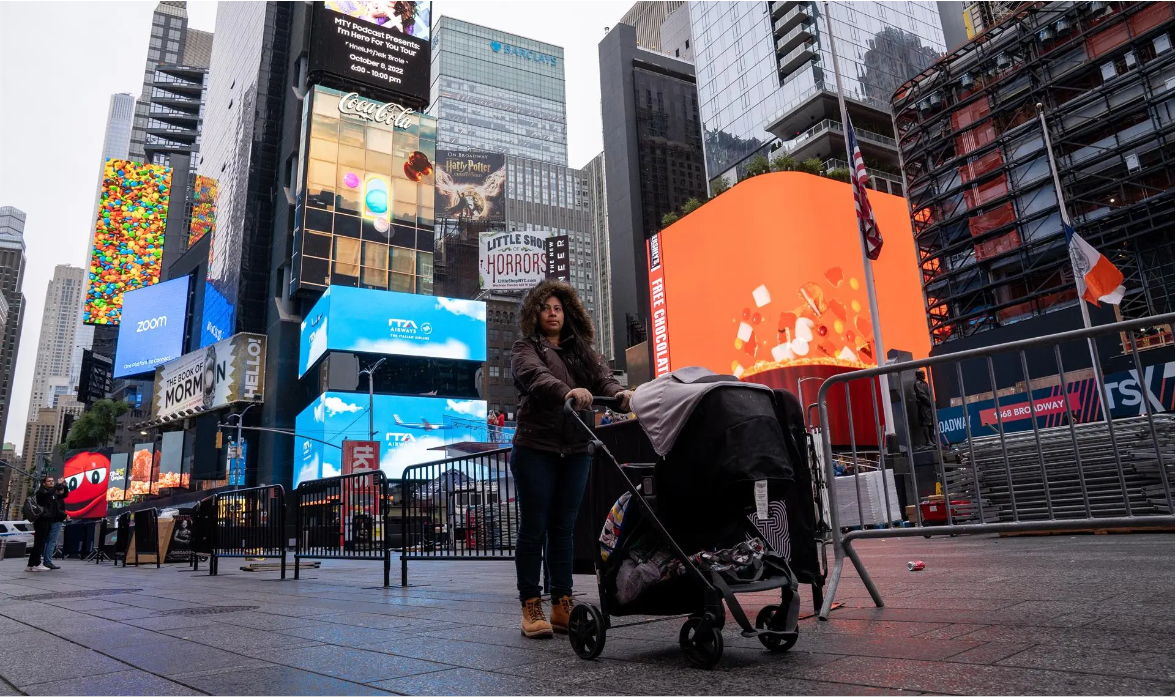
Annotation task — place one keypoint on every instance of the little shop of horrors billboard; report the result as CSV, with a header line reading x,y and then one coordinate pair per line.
x,y
1126,393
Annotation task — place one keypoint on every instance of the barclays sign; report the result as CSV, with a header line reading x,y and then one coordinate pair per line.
x,y
521,52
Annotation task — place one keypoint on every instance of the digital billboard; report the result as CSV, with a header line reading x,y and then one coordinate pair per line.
x,y
471,185
153,325
378,43
119,464
365,196
512,260
169,474
741,289
128,236
203,208
408,428
394,324
86,473
142,467
228,371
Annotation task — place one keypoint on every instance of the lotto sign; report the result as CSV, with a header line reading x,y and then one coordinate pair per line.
x,y
361,456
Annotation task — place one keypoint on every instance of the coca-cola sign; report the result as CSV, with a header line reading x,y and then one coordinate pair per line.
x,y
389,113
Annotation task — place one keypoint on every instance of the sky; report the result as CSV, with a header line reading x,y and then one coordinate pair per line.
x,y
57,86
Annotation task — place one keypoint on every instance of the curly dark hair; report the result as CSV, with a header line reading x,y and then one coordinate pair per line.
x,y
577,335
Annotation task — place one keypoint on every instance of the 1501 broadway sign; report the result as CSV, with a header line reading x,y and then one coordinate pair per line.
x,y
511,260
228,371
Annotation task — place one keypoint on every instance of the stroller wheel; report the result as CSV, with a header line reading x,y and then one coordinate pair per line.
x,y
772,617
703,648
586,631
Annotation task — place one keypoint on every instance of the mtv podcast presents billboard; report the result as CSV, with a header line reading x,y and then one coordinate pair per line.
x,y
228,371
470,186
152,328
378,43
407,428
128,236
781,291
362,320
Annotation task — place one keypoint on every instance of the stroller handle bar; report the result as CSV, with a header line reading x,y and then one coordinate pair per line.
x,y
608,402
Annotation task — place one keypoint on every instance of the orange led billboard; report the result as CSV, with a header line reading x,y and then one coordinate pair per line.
x,y
769,275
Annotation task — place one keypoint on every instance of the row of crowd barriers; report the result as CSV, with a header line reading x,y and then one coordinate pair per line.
x,y
1103,474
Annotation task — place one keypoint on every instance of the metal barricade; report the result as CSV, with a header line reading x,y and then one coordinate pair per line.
x,y
462,508
343,517
203,530
249,523
1045,452
146,535
122,539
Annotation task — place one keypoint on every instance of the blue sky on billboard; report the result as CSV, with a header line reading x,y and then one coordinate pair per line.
x,y
407,428
217,316
152,328
390,323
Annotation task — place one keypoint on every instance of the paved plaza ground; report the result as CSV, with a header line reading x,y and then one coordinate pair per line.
x,y
1028,615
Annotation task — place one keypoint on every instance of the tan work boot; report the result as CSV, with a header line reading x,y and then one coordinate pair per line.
x,y
535,625
561,610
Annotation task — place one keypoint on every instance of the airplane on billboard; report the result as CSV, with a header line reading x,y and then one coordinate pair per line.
x,y
424,425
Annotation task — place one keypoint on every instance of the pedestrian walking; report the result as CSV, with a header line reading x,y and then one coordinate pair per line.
x,y
552,363
41,525
57,522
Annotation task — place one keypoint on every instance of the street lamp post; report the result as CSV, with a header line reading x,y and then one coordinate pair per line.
x,y
371,397
240,435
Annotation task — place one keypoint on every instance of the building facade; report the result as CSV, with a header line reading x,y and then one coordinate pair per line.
x,y
653,164
983,206
498,92
766,84
12,264
59,325
169,28
601,264
647,17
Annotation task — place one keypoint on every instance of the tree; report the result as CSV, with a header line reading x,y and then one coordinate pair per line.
x,y
719,186
783,163
841,174
96,427
692,204
757,166
811,166
669,219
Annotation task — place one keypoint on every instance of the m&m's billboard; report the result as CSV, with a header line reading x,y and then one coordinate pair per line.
x,y
128,236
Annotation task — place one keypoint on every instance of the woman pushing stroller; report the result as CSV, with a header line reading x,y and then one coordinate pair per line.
x,y
552,363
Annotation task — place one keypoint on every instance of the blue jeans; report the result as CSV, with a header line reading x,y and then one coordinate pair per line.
x,y
549,490
51,544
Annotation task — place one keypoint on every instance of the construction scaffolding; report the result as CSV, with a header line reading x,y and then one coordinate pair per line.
x,y
983,208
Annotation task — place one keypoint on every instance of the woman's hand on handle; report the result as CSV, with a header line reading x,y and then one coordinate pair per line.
x,y
581,398
624,396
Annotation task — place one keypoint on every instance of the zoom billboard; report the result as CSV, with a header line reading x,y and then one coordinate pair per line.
x,y
377,43
152,328
362,320
228,371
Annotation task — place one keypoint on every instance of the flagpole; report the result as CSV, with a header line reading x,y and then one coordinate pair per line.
x,y
879,352
1079,282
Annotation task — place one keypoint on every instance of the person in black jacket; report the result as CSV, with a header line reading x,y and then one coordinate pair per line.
x,y
47,501
56,523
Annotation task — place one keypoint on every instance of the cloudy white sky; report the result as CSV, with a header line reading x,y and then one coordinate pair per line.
x,y
56,78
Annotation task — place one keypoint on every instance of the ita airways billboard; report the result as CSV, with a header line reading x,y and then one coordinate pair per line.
x,y
152,329
86,474
228,371
128,236
377,43
362,320
409,430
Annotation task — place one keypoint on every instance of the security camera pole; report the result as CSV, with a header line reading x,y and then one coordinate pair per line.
x,y
372,396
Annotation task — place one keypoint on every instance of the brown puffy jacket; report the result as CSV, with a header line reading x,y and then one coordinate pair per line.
x,y
543,379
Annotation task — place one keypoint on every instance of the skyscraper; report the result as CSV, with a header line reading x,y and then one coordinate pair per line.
x,y
766,84
601,266
169,26
12,249
498,92
59,324
647,17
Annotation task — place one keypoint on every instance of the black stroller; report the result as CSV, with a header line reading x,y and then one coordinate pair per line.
x,y
703,505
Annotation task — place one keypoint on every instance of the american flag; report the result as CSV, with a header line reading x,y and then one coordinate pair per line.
x,y
865,214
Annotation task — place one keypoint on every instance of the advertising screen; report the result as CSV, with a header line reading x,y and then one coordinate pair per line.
x,y
203,208
128,236
512,260
229,371
152,328
408,429
365,202
740,288
169,474
142,467
86,474
378,43
117,491
394,324
470,185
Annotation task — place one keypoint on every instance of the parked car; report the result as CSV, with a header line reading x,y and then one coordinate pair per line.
x,y
17,531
